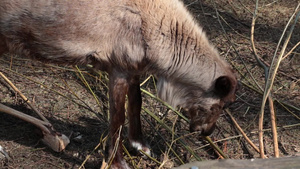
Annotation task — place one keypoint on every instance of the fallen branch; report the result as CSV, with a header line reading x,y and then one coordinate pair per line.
x,y
271,163
55,140
23,96
242,132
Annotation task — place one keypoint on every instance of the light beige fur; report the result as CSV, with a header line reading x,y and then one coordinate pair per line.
x,y
127,38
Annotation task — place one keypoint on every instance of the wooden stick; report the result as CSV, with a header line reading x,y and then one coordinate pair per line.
x,y
242,132
23,97
274,127
55,140
266,70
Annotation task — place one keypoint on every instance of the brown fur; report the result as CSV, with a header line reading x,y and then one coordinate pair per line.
x,y
126,38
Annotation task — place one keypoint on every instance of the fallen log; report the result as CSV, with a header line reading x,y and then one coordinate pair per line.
x,y
271,163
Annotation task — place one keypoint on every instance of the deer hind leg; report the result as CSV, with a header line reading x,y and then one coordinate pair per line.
x,y
118,88
134,110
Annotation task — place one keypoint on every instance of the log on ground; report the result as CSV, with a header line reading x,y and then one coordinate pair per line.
x,y
272,163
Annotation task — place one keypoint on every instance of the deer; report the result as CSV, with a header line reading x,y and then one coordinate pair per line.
x,y
127,39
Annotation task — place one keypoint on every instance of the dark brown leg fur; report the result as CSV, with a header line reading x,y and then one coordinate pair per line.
x,y
3,46
134,111
118,88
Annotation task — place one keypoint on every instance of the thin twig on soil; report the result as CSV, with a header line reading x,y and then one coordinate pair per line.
x,y
253,132
23,97
216,148
291,51
242,132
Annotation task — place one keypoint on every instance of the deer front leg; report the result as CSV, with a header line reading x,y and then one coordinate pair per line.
x,y
3,46
118,88
134,110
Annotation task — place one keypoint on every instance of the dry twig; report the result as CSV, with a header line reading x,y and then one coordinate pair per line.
x,y
23,97
56,141
242,132
266,95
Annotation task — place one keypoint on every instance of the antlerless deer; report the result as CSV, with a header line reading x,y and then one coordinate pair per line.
x,y
126,38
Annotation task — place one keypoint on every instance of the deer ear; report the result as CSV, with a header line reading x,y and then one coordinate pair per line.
x,y
224,86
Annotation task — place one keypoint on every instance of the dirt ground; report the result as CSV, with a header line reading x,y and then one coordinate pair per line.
x,y
63,96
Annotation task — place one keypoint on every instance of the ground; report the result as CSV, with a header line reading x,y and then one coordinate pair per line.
x,y
76,102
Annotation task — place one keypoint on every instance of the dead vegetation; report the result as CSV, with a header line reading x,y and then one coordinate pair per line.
x,y
75,100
